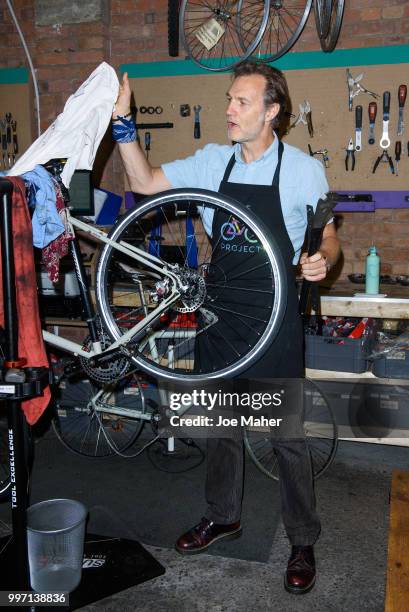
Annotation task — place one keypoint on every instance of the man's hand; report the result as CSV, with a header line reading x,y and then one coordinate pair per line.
x,y
123,103
313,268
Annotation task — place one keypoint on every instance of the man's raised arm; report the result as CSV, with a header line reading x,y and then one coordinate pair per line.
x,y
142,177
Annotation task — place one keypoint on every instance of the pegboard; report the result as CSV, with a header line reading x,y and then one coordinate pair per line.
x,y
15,99
326,90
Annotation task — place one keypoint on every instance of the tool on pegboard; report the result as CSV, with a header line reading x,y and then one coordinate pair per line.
x,y
304,117
147,143
196,130
350,156
402,91
322,152
372,111
398,151
358,128
385,140
355,88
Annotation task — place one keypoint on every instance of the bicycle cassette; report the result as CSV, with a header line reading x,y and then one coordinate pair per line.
x,y
107,371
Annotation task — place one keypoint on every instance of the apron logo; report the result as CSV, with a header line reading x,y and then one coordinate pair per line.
x,y
234,229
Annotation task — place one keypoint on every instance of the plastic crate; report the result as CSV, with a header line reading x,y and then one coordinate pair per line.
x,y
338,354
392,365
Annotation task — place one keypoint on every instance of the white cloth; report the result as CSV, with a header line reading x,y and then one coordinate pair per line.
x,y
78,130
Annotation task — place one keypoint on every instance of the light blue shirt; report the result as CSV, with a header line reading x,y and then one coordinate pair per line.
x,y
302,180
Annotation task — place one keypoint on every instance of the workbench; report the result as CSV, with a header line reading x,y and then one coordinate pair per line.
x,y
339,300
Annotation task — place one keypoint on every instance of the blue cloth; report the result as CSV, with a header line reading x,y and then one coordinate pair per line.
x,y
46,222
302,180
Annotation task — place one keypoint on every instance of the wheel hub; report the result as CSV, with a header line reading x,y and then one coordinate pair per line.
x,y
193,290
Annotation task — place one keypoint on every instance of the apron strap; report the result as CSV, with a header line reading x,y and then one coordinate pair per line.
x,y
229,168
276,177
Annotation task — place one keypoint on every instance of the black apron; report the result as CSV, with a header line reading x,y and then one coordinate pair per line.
x,y
247,298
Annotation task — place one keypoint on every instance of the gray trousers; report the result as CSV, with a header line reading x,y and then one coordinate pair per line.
x,y
224,486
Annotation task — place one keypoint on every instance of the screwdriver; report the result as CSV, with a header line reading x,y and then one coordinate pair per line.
x,y
398,151
402,91
147,143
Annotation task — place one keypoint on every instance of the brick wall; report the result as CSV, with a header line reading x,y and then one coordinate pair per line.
x,y
136,31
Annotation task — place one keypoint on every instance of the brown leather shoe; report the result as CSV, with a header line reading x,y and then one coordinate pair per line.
x,y
203,535
300,575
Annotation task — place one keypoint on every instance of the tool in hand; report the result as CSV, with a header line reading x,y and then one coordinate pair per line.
x,y
402,91
305,117
354,83
323,152
384,157
316,223
350,155
385,140
358,128
372,110
147,143
196,131
398,151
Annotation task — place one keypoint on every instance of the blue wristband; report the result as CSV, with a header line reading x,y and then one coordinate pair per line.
x,y
124,130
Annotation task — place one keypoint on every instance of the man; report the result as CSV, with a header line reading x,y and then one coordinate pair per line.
x,y
277,181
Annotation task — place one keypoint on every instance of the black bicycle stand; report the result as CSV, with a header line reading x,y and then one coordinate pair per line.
x,y
110,565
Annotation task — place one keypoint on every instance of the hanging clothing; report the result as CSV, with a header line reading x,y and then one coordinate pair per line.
x,y
30,340
78,130
59,247
47,223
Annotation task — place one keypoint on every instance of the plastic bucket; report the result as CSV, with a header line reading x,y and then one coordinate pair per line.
x,y
55,541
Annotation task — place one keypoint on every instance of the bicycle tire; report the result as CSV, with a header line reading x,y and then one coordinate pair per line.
x,y
329,42
204,299
235,43
173,27
87,432
322,14
284,26
321,437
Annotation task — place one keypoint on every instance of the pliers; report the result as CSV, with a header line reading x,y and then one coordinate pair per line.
x,y
305,117
384,157
350,154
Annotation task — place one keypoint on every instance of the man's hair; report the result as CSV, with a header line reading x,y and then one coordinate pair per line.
x,y
276,88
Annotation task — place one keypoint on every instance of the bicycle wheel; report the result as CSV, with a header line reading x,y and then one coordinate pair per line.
x,y
285,23
106,426
322,14
218,34
184,329
321,433
329,41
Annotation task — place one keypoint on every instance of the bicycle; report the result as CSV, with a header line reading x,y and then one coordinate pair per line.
x,y
152,308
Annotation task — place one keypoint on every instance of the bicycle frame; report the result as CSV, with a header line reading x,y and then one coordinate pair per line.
x,y
154,263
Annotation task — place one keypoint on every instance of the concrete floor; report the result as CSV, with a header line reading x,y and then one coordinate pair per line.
x,y
353,500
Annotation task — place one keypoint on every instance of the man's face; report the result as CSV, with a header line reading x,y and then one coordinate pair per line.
x,y
247,116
